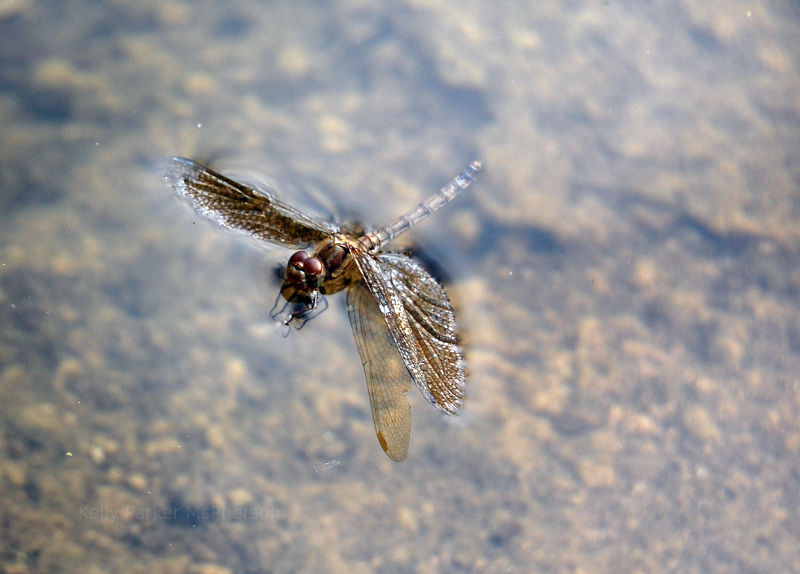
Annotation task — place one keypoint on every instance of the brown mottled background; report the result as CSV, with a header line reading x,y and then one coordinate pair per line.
x,y
626,274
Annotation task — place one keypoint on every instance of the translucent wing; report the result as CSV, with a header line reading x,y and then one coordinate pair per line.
x,y
422,323
388,380
239,207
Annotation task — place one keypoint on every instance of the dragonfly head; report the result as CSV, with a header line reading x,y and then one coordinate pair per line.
x,y
305,273
308,276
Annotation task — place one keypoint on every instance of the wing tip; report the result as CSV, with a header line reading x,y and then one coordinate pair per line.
x,y
174,171
396,454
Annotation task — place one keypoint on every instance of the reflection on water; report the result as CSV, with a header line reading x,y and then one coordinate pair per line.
x,y
624,275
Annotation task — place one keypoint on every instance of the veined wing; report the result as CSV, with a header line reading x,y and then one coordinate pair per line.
x,y
388,379
241,208
422,323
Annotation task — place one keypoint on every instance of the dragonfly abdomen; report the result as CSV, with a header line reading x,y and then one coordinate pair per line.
x,y
455,186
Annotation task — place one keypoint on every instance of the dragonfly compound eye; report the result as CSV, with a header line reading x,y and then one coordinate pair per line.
x,y
294,269
314,270
297,258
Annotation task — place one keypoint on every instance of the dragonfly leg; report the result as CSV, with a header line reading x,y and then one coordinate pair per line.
x,y
298,319
300,309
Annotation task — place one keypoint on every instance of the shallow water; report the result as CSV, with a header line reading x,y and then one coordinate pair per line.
x,y
625,272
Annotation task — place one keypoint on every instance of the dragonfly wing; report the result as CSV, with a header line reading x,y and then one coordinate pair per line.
x,y
241,208
422,323
388,380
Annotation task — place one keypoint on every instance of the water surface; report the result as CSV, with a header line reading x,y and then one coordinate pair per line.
x,y
625,273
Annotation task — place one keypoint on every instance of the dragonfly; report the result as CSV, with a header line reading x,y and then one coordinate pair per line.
x,y
402,320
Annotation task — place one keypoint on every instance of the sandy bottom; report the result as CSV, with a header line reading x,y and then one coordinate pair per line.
x,y
626,274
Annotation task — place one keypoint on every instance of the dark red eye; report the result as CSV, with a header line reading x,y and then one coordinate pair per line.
x,y
297,258
313,266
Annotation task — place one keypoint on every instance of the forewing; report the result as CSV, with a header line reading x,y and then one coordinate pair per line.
x,y
422,323
388,380
239,207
